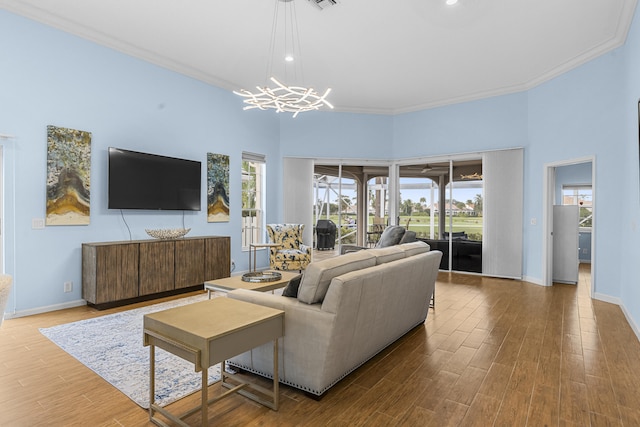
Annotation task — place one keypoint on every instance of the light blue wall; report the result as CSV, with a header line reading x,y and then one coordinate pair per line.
x,y
626,235
337,135
48,77
576,115
487,124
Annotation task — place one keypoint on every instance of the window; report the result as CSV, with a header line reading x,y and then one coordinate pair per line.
x,y
580,195
253,199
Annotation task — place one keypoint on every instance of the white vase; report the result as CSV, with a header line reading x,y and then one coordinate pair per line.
x,y
5,289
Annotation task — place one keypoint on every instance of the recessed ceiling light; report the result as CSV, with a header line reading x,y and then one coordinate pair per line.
x,y
451,2
288,58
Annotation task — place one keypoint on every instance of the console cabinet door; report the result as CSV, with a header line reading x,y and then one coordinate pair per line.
x,y
110,273
127,276
217,258
189,263
157,267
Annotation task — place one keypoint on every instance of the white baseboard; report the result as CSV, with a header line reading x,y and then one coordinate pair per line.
x,y
607,298
617,301
46,309
534,280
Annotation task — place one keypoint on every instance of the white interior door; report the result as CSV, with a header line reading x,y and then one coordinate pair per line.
x,y
565,243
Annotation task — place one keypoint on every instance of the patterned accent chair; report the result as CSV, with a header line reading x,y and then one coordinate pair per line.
x,y
292,255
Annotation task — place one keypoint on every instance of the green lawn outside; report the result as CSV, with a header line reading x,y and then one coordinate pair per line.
x,y
420,224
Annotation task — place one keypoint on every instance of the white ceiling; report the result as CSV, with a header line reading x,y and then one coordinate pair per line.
x,y
378,56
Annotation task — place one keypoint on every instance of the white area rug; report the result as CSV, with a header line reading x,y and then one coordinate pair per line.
x,y
111,346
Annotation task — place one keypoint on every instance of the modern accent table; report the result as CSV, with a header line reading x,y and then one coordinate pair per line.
x,y
253,247
235,282
209,332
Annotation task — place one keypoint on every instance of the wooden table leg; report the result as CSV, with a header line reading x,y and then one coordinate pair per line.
x,y
205,397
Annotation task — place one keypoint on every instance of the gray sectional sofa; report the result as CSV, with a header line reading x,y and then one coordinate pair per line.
x,y
348,308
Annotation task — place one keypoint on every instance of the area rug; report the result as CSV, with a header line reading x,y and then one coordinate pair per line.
x,y
111,346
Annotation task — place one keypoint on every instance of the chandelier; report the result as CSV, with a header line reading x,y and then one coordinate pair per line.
x,y
281,97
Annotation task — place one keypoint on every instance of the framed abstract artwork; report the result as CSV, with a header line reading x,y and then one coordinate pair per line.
x,y
68,176
217,188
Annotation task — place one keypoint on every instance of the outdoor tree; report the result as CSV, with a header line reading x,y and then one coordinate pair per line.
x,y
407,207
477,204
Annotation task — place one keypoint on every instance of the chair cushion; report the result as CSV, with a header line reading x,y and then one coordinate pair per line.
x,y
390,236
318,275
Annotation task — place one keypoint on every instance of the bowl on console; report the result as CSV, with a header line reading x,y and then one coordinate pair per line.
x,y
167,233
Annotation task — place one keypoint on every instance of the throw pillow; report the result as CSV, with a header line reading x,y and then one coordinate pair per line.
x,y
291,290
390,236
409,236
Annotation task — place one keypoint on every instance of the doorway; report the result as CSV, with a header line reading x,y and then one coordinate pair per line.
x,y
555,179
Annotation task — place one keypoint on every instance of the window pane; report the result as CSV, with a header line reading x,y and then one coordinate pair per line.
x,y
418,206
467,208
341,208
583,197
252,203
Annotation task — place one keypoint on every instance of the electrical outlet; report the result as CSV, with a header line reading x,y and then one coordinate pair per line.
x,y
68,286
37,223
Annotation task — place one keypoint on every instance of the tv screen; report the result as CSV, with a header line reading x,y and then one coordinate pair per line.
x,y
149,181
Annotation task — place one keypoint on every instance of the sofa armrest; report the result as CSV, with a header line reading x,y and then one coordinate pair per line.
x,y
351,248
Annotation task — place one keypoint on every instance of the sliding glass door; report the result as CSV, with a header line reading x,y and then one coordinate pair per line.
x,y
442,202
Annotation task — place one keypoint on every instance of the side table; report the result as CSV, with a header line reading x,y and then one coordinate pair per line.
x,y
254,247
209,332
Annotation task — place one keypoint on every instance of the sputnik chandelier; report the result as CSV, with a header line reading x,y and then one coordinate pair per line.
x,y
281,97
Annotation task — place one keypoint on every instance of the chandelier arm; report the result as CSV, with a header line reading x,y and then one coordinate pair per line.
x,y
283,98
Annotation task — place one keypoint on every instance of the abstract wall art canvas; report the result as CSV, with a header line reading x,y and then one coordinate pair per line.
x,y
217,187
68,176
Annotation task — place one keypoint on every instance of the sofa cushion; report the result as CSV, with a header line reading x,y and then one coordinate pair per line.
x,y
390,236
291,290
414,248
318,275
388,254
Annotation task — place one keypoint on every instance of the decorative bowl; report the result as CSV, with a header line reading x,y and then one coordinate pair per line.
x,y
167,233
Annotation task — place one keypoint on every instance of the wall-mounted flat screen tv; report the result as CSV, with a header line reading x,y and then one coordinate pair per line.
x,y
153,182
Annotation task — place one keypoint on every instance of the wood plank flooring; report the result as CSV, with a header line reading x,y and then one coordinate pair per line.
x,y
493,353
